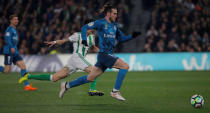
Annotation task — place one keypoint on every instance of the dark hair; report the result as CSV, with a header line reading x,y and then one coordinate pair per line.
x,y
88,21
12,16
107,8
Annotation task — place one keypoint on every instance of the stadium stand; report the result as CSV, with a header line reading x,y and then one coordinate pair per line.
x,y
173,26
45,20
179,26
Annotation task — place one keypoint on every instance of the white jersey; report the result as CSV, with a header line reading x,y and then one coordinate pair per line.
x,y
77,43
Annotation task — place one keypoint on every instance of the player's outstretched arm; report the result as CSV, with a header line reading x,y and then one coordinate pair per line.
x,y
123,38
52,43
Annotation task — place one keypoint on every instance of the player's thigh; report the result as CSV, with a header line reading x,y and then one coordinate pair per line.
x,y
60,74
105,61
71,65
18,60
7,68
120,64
81,63
95,72
20,64
71,69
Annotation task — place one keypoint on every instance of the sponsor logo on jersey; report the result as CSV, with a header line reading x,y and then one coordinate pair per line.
x,y
112,33
109,36
7,34
112,55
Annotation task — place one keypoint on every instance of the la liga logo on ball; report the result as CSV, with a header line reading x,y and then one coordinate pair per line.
x,y
197,101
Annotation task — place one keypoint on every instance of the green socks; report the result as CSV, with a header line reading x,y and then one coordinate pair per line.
x,y
93,85
40,77
47,77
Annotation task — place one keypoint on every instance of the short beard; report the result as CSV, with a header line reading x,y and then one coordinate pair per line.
x,y
111,20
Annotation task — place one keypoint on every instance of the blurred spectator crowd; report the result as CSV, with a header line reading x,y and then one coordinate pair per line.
x,y
47,20
175,25
179,25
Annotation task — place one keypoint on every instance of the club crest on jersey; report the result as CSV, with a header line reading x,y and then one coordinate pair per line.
x,y
91,24
7,34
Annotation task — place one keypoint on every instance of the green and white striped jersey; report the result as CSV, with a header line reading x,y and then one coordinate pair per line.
x,y
77,43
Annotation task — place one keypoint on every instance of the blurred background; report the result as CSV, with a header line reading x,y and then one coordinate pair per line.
x,y
166,25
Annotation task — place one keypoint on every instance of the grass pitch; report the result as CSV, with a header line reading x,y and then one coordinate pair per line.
x,y
146,92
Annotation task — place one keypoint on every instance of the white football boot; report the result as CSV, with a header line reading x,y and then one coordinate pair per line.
x,y
63,89
117,95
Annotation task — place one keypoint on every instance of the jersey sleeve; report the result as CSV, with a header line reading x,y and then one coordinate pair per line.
x,y
74,37
8,38
121,37
92,25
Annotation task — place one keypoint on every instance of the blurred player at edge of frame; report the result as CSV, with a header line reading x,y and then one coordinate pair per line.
x,y
11,54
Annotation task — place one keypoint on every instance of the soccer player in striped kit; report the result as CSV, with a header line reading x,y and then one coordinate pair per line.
x,y
76,62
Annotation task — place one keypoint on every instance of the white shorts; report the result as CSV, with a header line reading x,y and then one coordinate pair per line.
x,y
77,62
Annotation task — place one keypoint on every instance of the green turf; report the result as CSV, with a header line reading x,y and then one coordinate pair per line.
x,y
146,92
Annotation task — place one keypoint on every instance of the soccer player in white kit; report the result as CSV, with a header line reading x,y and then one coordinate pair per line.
x,y
76,62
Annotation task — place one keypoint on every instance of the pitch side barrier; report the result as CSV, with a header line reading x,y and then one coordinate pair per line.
x,y
137,61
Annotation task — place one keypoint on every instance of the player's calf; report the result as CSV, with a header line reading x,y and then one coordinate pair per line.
x,y
60,74
120,64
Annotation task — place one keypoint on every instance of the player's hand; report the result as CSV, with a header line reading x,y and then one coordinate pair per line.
x,y
84,42
12,50
136,34
50,44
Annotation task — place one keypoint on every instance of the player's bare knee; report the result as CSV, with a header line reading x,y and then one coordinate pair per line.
x,y
90,79
66,69
126,66
22,66
88,69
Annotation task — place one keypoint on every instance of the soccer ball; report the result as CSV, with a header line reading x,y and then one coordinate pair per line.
x,y
197,101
